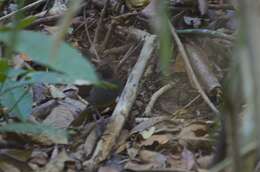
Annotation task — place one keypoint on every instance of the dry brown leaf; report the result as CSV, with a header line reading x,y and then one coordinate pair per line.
x,y
188,159
205,161
60,117
174,161
139,167
147,124
56,93
5,167
147,133
194,130
39,158
132,152
122,144
151,157
90,142
57,164
179,65
161,139
108,169
203,170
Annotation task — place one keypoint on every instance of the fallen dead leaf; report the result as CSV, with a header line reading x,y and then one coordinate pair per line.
x,y
57,164
188,159
147,156
205,161
107,169
179,66
148,133
160,139
194,130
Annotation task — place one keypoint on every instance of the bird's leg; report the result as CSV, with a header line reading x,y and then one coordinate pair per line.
x,y
100,121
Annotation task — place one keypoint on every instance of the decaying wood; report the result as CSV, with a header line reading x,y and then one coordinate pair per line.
x,y
201,68
123,107
190,71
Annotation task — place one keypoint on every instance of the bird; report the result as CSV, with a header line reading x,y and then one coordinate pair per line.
x,y
102,95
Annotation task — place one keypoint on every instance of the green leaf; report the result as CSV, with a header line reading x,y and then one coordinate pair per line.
x,y
20,25
46,77
40,132
32,78
18,100
3,66
15,73
68,60
25,22
3,69
165,38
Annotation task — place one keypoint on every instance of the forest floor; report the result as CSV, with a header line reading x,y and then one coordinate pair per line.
x,y
162,121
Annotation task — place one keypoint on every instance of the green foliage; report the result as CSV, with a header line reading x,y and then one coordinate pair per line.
x,y
165,37
3,69
39,132
67,61
18,100
19,25
46,77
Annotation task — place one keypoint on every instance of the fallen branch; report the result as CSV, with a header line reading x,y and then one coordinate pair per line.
x,y
123,107
201,67
155,96
190,70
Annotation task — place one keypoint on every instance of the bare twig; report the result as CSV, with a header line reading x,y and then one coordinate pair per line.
x,y
99,24
190,70
117,50
45,19
124,16
108,34
155,96
191,102
127,54
222,7
89,39
207,32
27,7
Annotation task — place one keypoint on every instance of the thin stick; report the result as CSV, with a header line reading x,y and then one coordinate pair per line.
x,y
206,32
99,24
89,39
108,35
155,96
27,7
191,102
190,70
127,54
